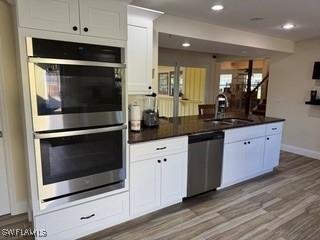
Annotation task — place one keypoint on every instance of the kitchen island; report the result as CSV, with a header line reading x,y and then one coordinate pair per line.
x,y
158,157
184,126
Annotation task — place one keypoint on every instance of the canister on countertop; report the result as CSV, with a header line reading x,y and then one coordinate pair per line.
x,y
135,118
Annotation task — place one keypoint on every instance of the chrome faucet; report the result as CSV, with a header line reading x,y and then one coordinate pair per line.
x,y
218,108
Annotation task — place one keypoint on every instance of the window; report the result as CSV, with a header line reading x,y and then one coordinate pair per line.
x,y
225,81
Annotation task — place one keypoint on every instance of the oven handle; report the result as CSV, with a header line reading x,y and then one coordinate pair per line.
x,y
78,132
75,62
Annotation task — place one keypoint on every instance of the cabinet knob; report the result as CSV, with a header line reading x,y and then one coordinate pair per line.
x,y
159,161
75,28
249,142
165,160
245,143
150,87
85,29
268,138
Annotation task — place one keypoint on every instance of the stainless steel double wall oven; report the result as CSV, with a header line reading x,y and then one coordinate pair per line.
x,y
78,113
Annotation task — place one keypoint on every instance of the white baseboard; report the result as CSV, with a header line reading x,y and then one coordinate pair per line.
x,y
19,208
301,151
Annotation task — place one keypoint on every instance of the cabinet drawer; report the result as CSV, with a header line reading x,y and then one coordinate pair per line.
x,y
274,128
157,148
239,134
114,208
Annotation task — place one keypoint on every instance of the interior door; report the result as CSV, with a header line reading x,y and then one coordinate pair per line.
x,y
4,197
172,178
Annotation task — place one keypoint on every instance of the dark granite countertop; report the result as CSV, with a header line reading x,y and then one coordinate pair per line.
x,y
183,126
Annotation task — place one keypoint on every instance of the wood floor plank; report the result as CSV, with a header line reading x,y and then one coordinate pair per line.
x,y
281,206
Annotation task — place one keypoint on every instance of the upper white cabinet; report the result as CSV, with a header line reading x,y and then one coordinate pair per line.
x,y
53,15
140,49
103,18
98,18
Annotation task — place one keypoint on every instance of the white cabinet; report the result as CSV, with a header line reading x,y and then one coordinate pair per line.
x,y
60,16
159,181
103,18
173,178
254,150
250,152
98,18
233,159
272,151
80,220
140,49
144,185
242,160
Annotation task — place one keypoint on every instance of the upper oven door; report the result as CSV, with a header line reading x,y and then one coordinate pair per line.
x,y
74,93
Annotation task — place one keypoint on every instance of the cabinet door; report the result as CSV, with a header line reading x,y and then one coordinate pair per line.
x,y
173,178
104,18
233,160
254,151
272,151
144,186
139,59
51,15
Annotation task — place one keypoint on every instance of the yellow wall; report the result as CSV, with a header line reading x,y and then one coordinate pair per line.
x,y
10,83
193,89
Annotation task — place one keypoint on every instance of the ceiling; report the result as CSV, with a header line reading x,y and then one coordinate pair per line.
x,y
216,48
237,14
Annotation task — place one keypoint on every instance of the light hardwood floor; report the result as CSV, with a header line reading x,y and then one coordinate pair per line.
x,y
282,206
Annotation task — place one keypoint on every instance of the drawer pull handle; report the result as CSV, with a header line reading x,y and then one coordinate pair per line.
x,y
87,217
162,148
274,128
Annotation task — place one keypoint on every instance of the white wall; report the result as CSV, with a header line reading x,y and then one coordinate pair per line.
x,y
289,87
13,122
200,30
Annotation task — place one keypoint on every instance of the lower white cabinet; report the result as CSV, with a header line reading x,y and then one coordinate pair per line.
x,y
86,218
173,178
242,160
272,151
145,177
159,181
250,152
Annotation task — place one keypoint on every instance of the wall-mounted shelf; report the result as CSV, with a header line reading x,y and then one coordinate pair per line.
x,y
317,102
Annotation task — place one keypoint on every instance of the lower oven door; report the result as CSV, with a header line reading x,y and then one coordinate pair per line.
x,y
73,162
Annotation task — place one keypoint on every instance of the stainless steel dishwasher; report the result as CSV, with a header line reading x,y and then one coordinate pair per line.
x,y
204,162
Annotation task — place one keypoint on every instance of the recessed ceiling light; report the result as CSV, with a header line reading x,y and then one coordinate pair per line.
x,y
186,44
288,26
217,7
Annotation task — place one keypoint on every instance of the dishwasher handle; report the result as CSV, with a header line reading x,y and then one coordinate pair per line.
x,y
208,136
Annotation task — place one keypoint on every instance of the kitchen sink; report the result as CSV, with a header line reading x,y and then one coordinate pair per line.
x,y
236,121
229,121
